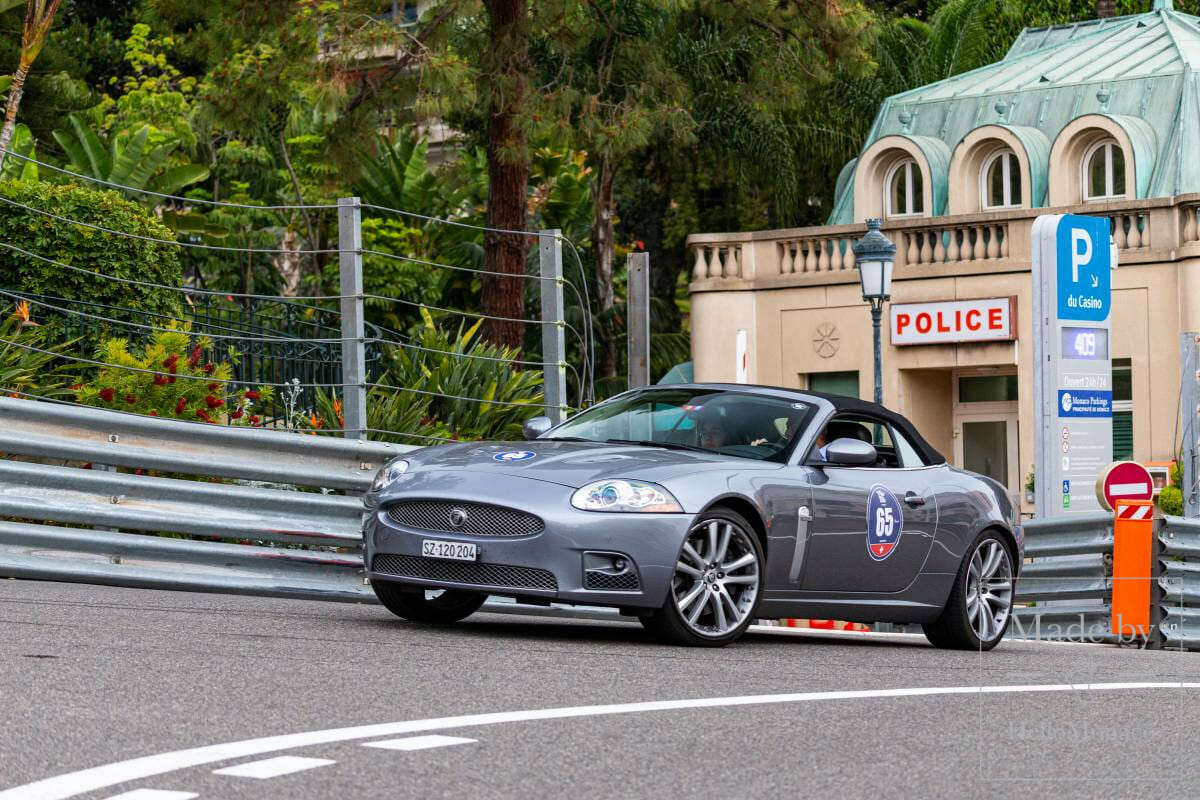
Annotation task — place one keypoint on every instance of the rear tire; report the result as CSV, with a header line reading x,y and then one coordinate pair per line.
x,y
979,610
716,587
411,603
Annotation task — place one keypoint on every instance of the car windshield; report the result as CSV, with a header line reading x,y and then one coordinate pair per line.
x,y
731,423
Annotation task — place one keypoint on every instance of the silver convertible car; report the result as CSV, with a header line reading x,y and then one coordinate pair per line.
x,y
697,509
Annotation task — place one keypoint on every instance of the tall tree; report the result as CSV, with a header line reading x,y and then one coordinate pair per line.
x,y
508,71
39,14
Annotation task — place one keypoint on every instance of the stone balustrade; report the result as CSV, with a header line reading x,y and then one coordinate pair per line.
x,y
1143,231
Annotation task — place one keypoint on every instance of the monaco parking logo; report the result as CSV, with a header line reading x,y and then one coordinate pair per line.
x,y
885,522
514,455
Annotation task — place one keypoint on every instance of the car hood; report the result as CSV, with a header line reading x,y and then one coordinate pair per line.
x,y
576,464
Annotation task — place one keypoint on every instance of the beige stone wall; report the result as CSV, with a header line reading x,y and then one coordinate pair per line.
x,y
791,330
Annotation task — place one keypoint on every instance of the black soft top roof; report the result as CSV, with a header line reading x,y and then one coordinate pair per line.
x,y
841,403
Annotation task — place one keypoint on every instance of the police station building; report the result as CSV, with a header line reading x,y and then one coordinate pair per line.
x,y
1100,118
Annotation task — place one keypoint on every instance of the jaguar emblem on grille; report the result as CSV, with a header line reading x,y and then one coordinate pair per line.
x,y
458,517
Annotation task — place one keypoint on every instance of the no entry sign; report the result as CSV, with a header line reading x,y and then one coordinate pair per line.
x,y
1124,480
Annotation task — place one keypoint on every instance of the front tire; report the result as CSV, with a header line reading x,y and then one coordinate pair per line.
x,y
715,590
413,604
979,610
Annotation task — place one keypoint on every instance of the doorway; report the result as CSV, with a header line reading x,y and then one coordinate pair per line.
x,y
985,426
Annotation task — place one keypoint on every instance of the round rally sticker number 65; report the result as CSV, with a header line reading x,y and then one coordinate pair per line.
x,y
885,522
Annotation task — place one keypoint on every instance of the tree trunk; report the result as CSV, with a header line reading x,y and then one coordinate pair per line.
x,y
602,237
313,244
289,264
508,172
10,112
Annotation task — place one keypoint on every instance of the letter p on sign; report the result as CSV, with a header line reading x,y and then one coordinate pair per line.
x,y
1079,256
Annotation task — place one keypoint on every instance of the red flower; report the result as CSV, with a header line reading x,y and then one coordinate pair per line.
x,y
170,379
160,380
75,386
153,413
238,414
202,414
194,358
131,398
171,361
208,368
139,471
212,387
254,420
172,368
107,394
181,405
214,402
253,395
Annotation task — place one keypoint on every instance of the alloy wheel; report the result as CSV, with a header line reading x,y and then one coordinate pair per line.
x,y
716,579
989,592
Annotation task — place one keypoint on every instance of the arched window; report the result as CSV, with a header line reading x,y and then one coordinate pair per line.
x,y
1000,181
905,192
1104,171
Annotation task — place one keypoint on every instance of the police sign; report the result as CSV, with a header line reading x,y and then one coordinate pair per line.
x,y
1072,302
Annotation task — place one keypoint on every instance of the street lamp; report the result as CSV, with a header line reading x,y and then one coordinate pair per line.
x,y
874,254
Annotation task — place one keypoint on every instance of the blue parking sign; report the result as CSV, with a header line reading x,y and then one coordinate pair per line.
x,y
1084,268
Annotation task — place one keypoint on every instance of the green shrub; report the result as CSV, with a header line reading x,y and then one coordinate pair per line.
x,y
451,385
172,376
1170,500
91,249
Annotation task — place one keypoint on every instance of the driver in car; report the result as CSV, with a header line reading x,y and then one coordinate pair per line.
x,y
712,433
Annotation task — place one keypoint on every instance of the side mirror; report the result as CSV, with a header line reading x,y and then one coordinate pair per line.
x,y
536,426
851,453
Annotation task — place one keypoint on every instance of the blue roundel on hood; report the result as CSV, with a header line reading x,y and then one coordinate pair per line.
x,y
514,455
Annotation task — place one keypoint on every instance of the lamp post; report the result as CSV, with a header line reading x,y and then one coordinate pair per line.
x,y
874,254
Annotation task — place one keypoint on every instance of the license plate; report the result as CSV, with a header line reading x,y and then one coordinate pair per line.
x,y
457,551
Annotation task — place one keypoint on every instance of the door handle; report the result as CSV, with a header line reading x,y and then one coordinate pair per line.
x,y
913,499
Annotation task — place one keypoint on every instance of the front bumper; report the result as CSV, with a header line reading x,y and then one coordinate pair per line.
x,y
564,563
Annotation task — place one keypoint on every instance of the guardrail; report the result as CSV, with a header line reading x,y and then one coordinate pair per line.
x,y
293,506
1069,581
1068,584
1179,560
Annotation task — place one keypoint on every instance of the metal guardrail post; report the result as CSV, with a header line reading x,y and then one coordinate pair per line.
x,y
554,348
354,360
638,319
1189,411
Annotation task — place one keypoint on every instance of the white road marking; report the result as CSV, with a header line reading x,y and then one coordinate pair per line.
x,y
273,767
419,742
153,794
71,784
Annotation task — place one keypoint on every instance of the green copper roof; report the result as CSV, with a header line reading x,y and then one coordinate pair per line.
x,y
1139,70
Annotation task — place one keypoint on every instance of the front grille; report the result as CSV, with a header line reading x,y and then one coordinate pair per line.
x,y
471,572
622,582
480,519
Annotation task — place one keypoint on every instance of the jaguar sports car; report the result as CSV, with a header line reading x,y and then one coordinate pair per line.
x,y
698,509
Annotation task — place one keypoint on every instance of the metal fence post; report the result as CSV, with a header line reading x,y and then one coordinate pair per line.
x,y
638,319
354,362
554,347
1189,413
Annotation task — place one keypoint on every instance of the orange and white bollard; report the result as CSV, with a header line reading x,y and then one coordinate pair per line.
x,y
1133,549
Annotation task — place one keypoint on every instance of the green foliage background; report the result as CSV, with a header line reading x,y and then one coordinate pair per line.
x,y
87,248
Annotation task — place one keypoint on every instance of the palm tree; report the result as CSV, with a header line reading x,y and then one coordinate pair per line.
x,y
38,16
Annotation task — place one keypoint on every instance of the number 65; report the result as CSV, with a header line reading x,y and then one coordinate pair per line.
x,y
884,522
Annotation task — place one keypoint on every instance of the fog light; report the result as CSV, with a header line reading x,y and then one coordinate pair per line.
x,y
619,564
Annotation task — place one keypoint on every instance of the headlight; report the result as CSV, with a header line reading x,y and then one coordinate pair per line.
x,y
389,474
625,495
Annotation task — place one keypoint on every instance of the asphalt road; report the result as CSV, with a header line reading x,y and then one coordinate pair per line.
x,y
90,676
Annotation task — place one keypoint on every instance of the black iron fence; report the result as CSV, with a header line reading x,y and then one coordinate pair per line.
x,y
266,340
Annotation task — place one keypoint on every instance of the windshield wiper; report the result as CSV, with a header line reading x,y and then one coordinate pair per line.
x,y
567,439
665,445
